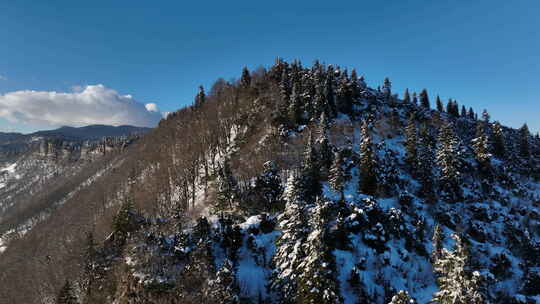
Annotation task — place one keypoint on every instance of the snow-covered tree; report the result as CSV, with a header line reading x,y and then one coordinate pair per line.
x,y
268,189
325,147
289,247
295,105
480,146
368,163
458,284
437,243
310,176
224,288
227,191
317,282
402,297
337,178
449,160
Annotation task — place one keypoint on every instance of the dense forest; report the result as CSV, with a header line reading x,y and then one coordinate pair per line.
x,y
296,184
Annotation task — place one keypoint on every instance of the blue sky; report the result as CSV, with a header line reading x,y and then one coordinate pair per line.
x,y
482,53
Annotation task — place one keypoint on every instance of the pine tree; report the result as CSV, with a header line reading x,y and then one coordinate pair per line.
x,y
402,297
355,88
425,160
226,192
200,98
485,116
268,188
326,153
471,114
337,178
463,112
245,80
224,288
406,96
295,105
449,160
411,142
499,142
457,283
368,163
387,88
414,99
89,256
289,247
524,150
310,176
317,282
480,146
440,106
437,243
67,294
424,99
123,221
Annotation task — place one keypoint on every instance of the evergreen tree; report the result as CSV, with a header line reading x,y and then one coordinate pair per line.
x,y
471,114
89,256
424,167
411,142
485,116
224,288
123,222
387,88
245,80
414,99
499,142
227,191
524,150
289,247
457,283
311,180
424,99
200,98
354,87
295,105
406,96
402,297
463,112
325,148
449,160
67,294
317,282
437,243
440,106
337,178
480,146
268,188
368,163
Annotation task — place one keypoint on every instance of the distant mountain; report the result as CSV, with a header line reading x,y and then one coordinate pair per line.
x,y
91,132
10,136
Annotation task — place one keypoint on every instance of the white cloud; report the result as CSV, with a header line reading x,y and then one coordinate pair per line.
x,y
93,104
151,107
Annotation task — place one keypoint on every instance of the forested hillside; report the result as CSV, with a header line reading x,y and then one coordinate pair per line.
x,y
298,184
